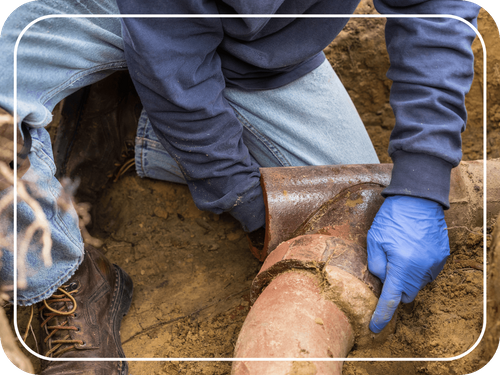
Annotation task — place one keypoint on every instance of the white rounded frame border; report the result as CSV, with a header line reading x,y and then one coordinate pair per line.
x,y
258,16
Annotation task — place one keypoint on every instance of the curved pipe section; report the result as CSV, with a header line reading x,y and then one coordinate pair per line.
x,y
291,319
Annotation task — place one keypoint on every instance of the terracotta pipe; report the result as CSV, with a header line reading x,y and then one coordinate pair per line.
x,y
313,298
291,319
314,295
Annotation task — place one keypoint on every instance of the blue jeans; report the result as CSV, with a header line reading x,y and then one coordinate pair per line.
x,y
56,57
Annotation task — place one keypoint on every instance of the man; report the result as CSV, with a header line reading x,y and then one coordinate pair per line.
x,y
223,97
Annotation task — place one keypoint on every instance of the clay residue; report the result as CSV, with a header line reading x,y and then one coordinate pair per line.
x,y
303,368
353,203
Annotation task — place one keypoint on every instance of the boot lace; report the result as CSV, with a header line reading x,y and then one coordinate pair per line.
x,y
64,344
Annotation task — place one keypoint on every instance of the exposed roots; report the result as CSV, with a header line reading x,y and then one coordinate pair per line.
x,y
39,225
82,209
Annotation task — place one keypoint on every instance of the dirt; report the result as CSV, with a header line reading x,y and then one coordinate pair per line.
x,y
445,320
192,270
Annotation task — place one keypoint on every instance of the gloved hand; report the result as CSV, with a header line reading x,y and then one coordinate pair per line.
x,y
407,248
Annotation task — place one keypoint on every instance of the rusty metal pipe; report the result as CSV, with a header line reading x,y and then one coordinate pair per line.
x,y
300,200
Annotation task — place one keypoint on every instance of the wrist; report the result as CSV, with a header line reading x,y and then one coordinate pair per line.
x,y
250,211
420,176
409,200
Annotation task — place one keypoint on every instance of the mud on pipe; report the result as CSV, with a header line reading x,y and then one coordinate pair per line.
x,y
314,295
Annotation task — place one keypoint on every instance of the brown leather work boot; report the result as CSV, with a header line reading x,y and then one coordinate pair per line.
x,y
96,133
82,319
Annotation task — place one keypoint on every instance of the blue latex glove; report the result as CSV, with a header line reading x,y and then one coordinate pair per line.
x,y
407,248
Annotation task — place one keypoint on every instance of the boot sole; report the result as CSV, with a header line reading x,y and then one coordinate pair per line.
x,y
120,308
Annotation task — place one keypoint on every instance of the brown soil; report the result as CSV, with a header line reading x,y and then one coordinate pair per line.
x,y
192,270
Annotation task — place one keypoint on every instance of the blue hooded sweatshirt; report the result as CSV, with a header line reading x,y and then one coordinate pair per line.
x,y
180,66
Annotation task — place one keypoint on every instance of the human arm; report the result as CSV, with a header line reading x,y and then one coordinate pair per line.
x,y
432,70
177,72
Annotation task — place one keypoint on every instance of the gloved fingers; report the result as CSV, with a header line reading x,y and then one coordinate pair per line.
x,y
387,304
438,267
377,257
420,281
411,290
409,296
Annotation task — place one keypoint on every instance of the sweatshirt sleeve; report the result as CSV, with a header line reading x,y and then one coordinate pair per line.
x,y
177,73
432,67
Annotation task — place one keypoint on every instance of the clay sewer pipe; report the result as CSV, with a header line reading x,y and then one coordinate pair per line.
x,y
314,295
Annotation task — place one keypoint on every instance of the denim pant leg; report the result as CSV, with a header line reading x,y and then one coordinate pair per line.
x,y
67,246
56,57
311,121
151,158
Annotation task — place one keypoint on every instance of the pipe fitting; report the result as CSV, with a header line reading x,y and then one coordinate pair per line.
x,y
314,296
341,266
292,319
